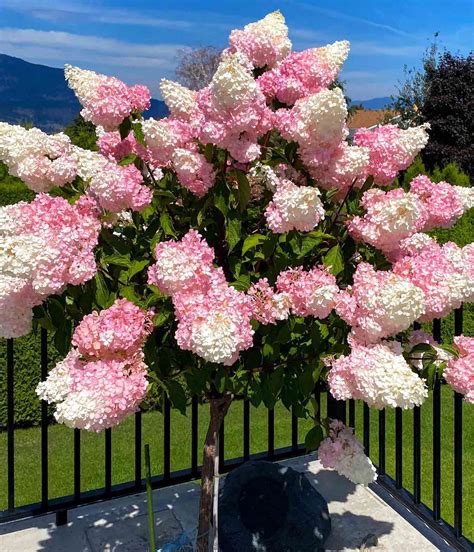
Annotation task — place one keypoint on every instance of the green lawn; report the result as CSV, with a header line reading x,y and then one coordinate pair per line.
x,y
27,451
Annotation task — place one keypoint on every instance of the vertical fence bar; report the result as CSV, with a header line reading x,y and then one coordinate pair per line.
x,y
458,430
417,455
437,434
222,447
382,442
366,429
246,429
271,433
294,431
416,445
108,460
194,435
10,426
167,438
336,409
77,464
398,448
44,422
138,450
352,413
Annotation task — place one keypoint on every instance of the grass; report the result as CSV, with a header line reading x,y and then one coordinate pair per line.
x,y
28,467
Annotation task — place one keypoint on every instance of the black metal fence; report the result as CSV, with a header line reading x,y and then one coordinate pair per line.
x,y
351,412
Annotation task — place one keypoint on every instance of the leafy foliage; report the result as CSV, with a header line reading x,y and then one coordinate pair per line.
x,y
449,108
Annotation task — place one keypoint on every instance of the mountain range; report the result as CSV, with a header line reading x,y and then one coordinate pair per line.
x,y
37,94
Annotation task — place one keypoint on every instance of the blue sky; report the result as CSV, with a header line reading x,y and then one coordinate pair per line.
x,y
138,41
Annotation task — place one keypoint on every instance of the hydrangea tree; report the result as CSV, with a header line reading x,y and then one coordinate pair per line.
x,y
239,247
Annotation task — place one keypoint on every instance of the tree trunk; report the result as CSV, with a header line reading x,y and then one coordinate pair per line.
x,y
218,410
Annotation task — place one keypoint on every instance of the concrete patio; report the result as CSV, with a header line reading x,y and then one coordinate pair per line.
x,y
121,525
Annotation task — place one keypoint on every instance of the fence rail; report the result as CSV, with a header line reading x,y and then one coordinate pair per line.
x,y
431,514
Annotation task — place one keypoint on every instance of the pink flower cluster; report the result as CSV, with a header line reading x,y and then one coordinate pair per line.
x,y
42,161
213,317
459,373
390,217
103,379
391,149
294,208
115,187
311,293
445,203
343,452
264,43
379,304
106,101
45,245
444,274
377,374
301,74
116,332
268,306
114,148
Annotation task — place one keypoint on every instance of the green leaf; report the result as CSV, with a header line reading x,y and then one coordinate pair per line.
x,y
119,260
128,160
334,261
232,233
176,395
167,225
56,312
314,437
125,128
102,294
138,133
422,348
62,337
136,267
243,190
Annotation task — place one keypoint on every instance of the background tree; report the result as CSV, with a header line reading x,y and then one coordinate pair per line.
x,y
449,108
196,67
412,91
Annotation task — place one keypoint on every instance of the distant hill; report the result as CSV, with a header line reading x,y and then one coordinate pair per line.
x,y
39,94
374,103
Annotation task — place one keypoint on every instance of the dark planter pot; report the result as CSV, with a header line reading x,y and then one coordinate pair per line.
x,y
266,507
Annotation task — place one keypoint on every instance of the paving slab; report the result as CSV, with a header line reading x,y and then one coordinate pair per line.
x,y
358,515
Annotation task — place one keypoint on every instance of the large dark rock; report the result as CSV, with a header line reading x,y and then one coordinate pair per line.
x,y
266,507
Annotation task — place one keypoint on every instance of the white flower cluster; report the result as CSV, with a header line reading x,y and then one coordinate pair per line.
x,y
377,374
181,101
321,118
232,84
85,83
343,452
294,208
42,161
265,42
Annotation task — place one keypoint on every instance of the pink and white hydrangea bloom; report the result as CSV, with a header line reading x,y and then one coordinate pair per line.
x,y
379,304
342,452
268,306
114,186
103,379
294,208
41,160
390,217
304,73
391,148
311,293
193,171
264,43
459,373
377,374
183,265
45,245
215,325
436,270
106,101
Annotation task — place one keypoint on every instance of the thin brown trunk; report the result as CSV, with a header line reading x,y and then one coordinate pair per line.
x,y
218,410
